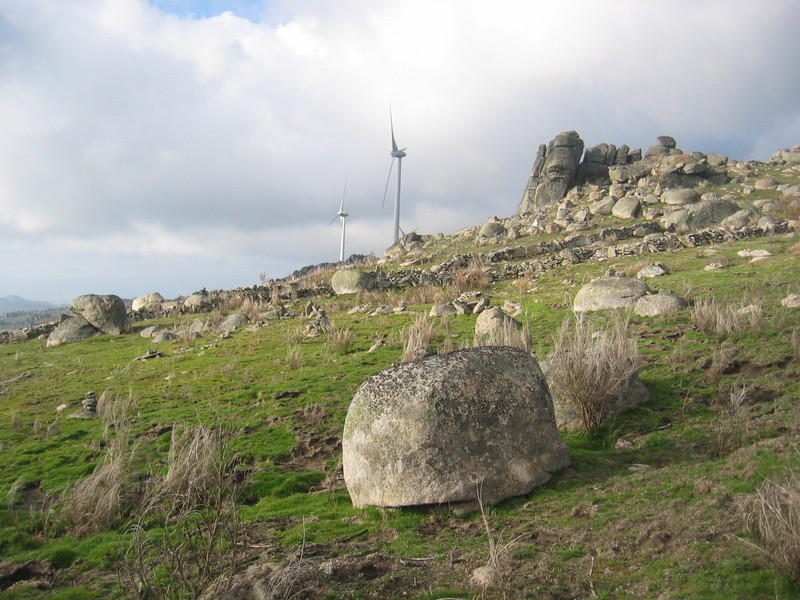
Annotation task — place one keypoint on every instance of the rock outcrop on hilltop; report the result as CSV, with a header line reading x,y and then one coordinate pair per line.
x,y
562,164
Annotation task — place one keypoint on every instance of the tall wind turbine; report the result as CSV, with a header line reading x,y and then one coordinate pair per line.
x,y
398,154
343,218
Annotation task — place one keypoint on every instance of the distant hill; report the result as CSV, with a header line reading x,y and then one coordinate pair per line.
x,y
17,312
15,303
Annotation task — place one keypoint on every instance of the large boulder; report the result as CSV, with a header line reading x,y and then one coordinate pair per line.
x,y
232,321
352,281
609,292
710,213
107,313
432,430
662,303
72,329
147,302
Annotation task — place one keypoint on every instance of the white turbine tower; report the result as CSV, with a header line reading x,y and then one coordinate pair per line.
x,y
342,215
398,154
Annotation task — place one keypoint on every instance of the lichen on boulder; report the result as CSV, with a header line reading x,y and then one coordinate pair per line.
x,y
432,431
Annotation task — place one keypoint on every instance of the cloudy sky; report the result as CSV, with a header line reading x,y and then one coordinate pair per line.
x,y
170,145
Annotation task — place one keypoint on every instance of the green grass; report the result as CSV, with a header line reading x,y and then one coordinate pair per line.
x,y
663,531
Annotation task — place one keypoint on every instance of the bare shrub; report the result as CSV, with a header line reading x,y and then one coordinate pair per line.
x,y
772,520
341,340
192,547
589,364
416,338
724,321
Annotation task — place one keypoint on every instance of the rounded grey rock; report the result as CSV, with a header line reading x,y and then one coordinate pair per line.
x,y
609,292
432,431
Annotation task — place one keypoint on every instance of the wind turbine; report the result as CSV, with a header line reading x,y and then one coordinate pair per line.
x,y
398,154
343,218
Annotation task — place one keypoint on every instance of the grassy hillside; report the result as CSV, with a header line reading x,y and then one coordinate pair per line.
x,y
652,507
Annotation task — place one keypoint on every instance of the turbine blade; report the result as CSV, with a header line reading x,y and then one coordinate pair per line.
x,y
332,220
391,125
344,191
386,189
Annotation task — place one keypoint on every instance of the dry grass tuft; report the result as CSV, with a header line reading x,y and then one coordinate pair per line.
x,y
474,276
194,508
416,338
294,360
731,430
508,335
796,343
341,340
724,321
103,499
588,365
772,520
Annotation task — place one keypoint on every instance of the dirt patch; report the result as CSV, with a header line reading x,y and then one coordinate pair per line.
x,y
34,572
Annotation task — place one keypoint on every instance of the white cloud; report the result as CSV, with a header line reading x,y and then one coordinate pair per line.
x,y
205,132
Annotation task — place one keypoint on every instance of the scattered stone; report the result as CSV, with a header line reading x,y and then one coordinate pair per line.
x,y
151,353
352,281
610,292
426,432
654,270
662,303
163,335
442,310
233,321
89,402
751,253
491,322
603,207
627,208
680,196
791,301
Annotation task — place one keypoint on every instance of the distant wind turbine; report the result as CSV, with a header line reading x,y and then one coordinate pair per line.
x,y
342,215
398,154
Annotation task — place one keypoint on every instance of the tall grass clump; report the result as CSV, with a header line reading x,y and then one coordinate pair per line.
x,y
294,359
341,340
772,520
417,338
589,365
509,334
724,321
185,539
472,277
731,430
102,500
